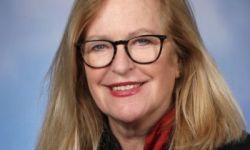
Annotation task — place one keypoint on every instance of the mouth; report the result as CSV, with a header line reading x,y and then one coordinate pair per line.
x,y
125,89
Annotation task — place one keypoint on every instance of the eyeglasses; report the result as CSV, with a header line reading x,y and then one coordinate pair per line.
x,y
144,49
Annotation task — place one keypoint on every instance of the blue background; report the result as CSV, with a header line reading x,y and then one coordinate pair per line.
x,y
31,30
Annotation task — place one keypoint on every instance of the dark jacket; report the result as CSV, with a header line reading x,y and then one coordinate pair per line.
x,y
109,142
243,145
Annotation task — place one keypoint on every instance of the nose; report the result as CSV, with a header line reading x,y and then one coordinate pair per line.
x,y
122,64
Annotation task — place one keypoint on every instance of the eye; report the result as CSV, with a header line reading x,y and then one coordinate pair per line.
x,y
142,41
99,46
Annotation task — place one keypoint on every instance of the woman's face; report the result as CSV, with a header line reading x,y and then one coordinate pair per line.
x,y
126,91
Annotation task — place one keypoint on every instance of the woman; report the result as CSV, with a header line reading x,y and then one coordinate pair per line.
x,y
135,75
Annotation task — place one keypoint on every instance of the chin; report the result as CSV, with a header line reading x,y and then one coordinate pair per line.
x,y
128,115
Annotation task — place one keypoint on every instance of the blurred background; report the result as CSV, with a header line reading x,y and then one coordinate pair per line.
x,y
31,30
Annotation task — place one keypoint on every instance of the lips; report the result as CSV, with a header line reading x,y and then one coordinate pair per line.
x,y
124,89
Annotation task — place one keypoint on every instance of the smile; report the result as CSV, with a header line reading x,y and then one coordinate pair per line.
x,y
125,89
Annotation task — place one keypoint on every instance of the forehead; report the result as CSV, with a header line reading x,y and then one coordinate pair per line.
x,y
120,18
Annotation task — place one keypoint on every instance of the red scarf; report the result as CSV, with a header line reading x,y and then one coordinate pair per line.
x,y
159,136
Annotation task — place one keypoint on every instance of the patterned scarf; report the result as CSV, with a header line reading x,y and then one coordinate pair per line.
x,y
159,137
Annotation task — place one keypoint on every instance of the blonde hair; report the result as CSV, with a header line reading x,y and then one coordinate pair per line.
x,y
206,113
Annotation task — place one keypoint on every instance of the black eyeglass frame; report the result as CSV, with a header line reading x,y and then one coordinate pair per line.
x,y
80,45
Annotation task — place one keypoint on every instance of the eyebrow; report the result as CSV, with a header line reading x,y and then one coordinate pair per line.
x,y
138,32
141,31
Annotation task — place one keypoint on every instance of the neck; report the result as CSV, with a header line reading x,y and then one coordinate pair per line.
x,y
130,136
133,135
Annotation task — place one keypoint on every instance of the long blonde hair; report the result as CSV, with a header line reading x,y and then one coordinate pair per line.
x,y
206,113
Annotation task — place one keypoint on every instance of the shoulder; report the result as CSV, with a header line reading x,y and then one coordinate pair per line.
x,y
242,145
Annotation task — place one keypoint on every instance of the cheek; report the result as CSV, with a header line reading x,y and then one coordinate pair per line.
x,y
170,61
166,70
90,76
94,77
165,76
92,80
